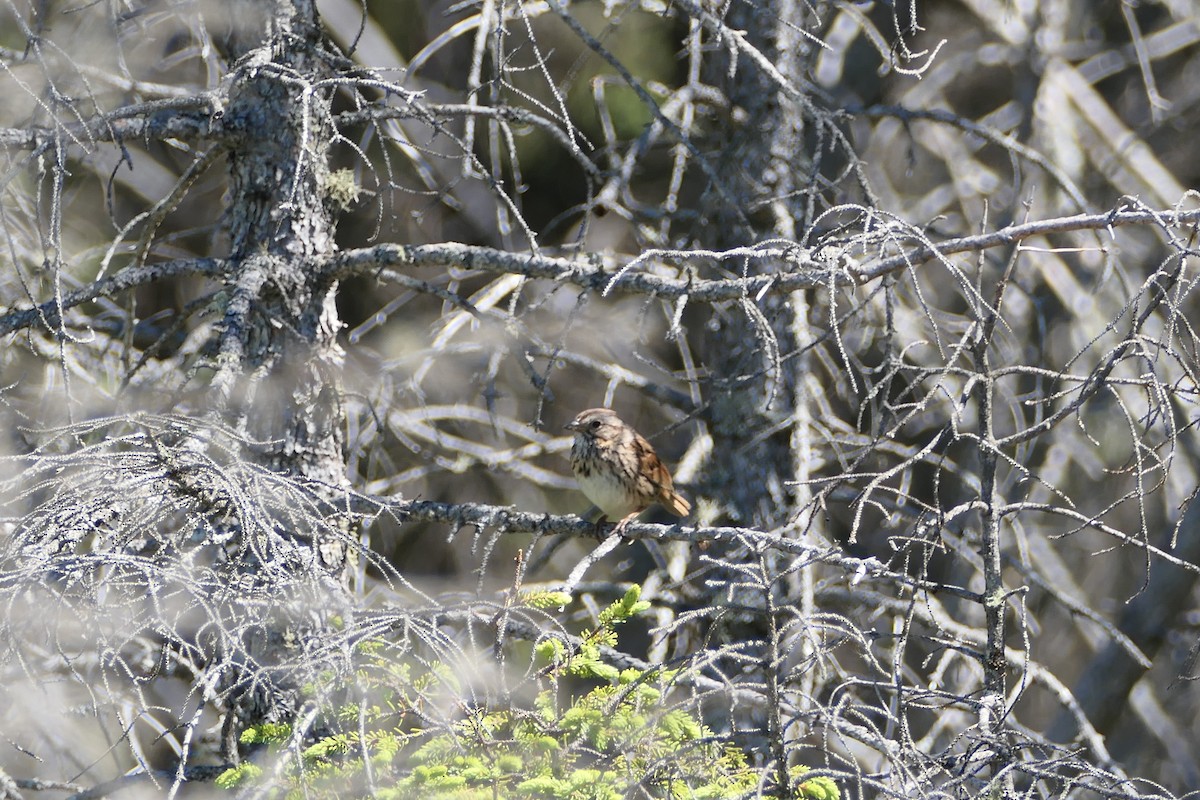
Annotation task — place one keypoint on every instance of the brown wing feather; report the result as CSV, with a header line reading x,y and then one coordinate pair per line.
x,y
662,488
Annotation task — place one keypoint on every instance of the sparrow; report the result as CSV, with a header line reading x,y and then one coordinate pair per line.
x,y
618,470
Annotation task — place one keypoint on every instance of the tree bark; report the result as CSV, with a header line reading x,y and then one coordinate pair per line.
x,y
761,169
280,365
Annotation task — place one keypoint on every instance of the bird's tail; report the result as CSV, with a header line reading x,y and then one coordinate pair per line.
x,y
675,503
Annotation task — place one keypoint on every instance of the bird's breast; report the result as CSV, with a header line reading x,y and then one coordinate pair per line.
x,y
607,492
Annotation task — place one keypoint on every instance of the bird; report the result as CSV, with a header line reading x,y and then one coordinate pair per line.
x,y
618,470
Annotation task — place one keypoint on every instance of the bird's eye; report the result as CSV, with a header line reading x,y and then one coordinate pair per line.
x,y
595,424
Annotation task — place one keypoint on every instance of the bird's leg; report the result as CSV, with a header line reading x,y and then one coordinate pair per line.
x,y
628,519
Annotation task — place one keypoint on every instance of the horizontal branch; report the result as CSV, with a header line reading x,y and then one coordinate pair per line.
x,y
600,273
1027,230
797,268
510,520
174,118
50,312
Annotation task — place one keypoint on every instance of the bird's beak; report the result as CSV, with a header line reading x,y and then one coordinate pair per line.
x,y
573,425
